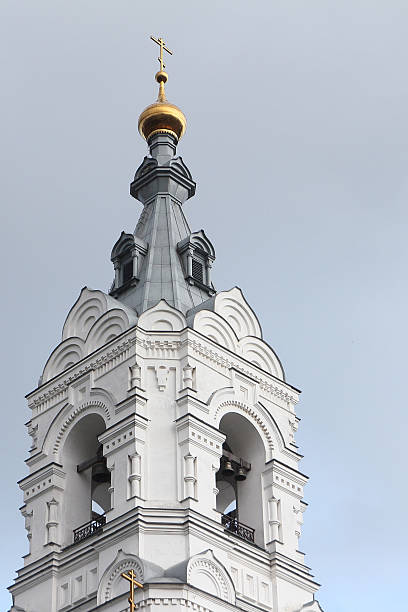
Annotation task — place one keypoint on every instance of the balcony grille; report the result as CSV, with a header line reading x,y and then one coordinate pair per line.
x,y
243,531
89,529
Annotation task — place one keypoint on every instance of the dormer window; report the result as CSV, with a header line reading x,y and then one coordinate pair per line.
x,y
197,254
127,271
127,256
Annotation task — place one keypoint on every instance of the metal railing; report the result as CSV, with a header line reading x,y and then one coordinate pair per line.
x,y
89,529
234,526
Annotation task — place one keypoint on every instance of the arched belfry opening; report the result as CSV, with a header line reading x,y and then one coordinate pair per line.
x,y
239,479
87,497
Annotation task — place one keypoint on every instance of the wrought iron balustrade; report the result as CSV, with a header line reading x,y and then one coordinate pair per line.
x,y
89,529
243,531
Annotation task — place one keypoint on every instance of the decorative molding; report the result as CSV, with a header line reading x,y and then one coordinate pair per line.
x,y
166,601
74,415
135,376
233,308
104,363
293,427
190,476
161,349
207,564
213,326
28,516
50,398
162,317
135,475
285,483
113,360
188,376
33,432
251,413
51,476
124,565
51,526
162,375
260,354
221,361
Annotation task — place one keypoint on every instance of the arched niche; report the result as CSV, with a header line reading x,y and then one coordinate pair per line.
x,y
96,401
225,400
79,446
244,442
205,572
112,584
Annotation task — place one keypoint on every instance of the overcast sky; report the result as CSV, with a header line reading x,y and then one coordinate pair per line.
x,y
297,138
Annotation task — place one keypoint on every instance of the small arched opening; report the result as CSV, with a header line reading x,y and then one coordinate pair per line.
x,y
239,479
87,497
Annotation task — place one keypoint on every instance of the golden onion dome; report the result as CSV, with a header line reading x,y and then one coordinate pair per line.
x,y
161,116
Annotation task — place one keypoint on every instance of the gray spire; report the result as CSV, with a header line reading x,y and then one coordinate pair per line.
x,y
163,259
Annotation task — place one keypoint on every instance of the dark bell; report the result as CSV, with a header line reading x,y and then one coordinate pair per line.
x,y
100,472
228,470
241,474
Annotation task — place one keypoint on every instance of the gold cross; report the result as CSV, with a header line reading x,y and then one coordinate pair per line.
x,y
130,575
162,46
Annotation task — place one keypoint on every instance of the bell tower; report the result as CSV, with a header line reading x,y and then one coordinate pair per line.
x,y
163,452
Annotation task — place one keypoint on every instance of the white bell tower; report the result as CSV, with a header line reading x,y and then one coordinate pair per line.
x,y
163,431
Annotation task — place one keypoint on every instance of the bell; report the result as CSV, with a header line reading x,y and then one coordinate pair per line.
x,y
241,474
228,470
100,472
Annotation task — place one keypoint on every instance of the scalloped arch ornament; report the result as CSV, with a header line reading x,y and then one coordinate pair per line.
x,y
90,406
123,562
252,415
206,567
109,325
233,307
94,320
90,305
216,328
67,353
162,317
259,353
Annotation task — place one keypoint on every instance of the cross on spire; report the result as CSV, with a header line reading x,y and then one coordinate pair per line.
x,y
162,45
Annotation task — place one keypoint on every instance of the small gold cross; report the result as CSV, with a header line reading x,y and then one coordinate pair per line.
x,y
162,46
130,575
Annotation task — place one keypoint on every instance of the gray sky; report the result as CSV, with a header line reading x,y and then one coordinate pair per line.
x,y
297,137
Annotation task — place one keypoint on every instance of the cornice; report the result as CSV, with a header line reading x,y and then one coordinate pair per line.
x,y
287,470
105,360
275,389
101,365
48,470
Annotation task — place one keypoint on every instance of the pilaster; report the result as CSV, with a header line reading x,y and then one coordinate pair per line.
x,y
124,446
43,496
199,449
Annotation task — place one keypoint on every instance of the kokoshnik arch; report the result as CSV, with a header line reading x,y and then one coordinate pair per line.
x,y
163,430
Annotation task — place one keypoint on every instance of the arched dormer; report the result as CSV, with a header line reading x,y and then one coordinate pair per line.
x,y
127,256
197,255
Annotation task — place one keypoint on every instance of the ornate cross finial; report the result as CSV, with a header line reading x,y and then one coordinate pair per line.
x,y
130,575
162,46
